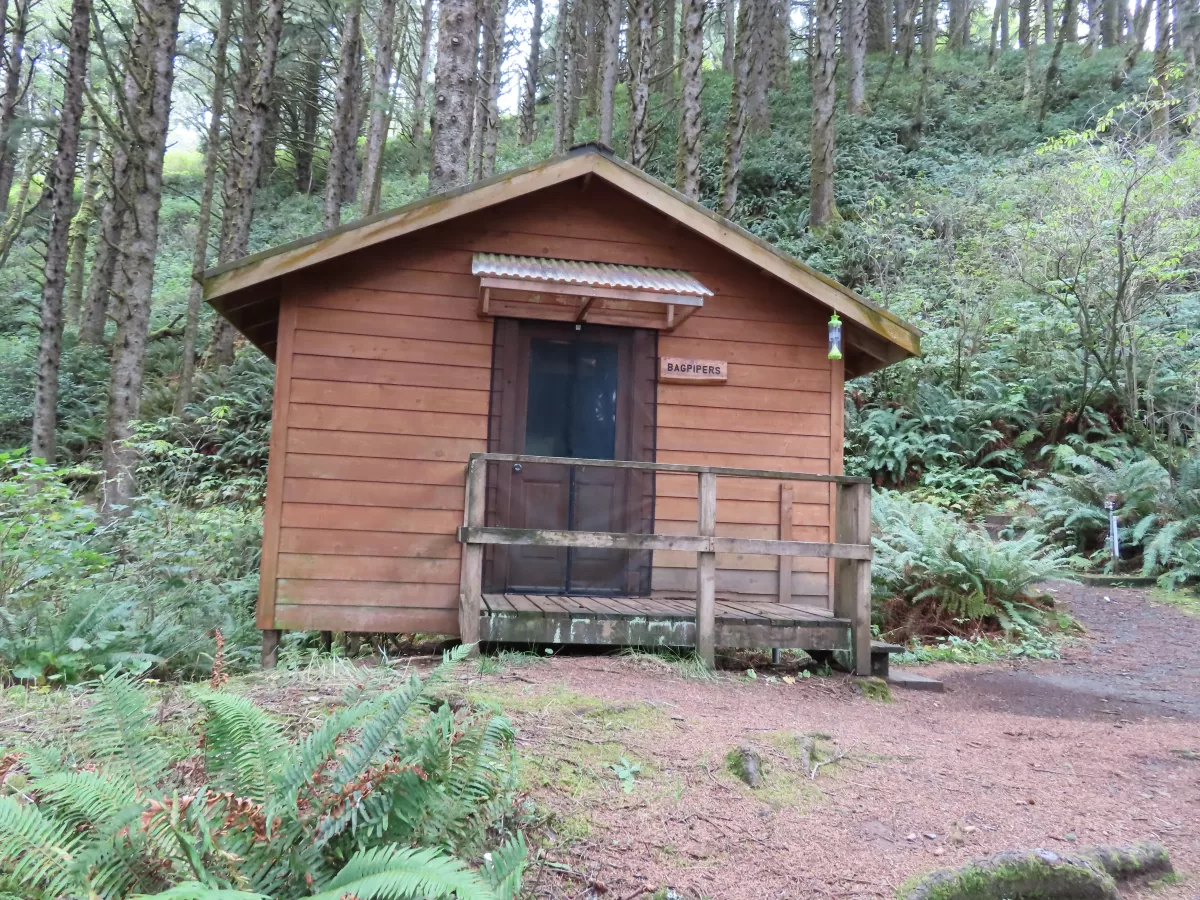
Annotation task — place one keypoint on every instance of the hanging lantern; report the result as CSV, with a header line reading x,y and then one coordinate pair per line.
x,y
835,337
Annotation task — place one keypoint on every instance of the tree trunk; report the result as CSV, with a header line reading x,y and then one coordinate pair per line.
x,y
908,40
954,26
1048,12
1052,68
904,39
13,66
822,210
1137,40
929,35
577,71
310,111
1110,23
781,46
212,158
1024,20
1188,18
735,128
82,224
758,110
666,33
493,68
729,14
380,115
639,86
528,129
61,187
996,15
1030,52
687,170
150,73
856,56
104,263
246,157
879,30
416,125
608,65
1093,35
453,95
1005,40
343,140
562,76
1160,111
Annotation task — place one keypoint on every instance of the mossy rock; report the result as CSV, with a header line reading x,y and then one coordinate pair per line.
x,y
1041,875
874,689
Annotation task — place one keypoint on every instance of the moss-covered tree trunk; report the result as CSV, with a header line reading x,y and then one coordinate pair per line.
x,y
453,96
343,138
379,116
735,125
528,113
821,207
687,169
639,86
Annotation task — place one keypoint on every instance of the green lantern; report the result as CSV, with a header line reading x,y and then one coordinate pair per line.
x,y
835,337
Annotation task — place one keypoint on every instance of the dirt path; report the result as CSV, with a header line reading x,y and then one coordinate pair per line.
x,y
1101,747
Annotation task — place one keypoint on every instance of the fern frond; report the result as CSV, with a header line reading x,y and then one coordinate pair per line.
x,y
378,731
193,890
397,873
120,730
34,850
88,800
245,747
506,867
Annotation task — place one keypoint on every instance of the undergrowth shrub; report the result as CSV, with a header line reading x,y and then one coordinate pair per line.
x,y
933,574
145,593
389,797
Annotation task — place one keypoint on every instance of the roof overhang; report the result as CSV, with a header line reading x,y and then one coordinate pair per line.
x,y
246,291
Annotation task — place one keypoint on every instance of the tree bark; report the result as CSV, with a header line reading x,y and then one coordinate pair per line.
x,y
1188,17
247,140
687,170
608,66
904,39
665,34
416,126
729,16
1160,111
104,262
1024,20
528,128
380,116
562,76
1052,67
1005,40
309,99
1048,13
822,210
453,95
212,159
639,86
82,224
997,13
929,35
908,32
61,188
758,110
879,29
494,29
855,41
1030,52
1141,22
150,73
781,46
13,67
1110,23
735,128
343,140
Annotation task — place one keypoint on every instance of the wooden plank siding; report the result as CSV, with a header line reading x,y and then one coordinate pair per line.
x,y
382,392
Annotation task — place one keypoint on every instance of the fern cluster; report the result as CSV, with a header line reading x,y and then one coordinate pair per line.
x,y
930,565
387,798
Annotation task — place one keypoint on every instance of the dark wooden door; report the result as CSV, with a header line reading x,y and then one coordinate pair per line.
x,y
578,393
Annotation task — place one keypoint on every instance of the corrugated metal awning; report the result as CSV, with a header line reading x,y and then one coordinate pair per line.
x,y
565,271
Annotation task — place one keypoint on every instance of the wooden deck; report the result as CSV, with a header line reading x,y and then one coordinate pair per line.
x,y
656,622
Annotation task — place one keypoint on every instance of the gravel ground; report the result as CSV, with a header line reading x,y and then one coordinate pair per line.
x,y
1100,747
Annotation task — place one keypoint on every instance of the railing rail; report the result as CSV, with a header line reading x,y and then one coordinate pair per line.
x,y
851,550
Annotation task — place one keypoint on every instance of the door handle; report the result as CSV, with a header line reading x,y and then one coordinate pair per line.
x,y
516,467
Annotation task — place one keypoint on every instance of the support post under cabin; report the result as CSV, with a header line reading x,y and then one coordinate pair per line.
x,y
471,573
852,591
706,571
270,647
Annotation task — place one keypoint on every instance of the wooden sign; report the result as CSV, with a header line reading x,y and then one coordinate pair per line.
x,y
677,370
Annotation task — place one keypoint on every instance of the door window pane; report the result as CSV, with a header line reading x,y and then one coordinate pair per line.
x,y
594,410
550,383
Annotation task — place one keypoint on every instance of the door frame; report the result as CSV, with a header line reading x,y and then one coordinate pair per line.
x,y
637,402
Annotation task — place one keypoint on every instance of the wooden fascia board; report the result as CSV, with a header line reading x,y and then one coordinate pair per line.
x,y
495,282
274,264
793,272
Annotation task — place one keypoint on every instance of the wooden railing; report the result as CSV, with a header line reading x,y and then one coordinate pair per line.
x,y
851,549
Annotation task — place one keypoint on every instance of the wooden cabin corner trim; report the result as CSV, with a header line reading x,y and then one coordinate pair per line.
x,y
837,453
276,463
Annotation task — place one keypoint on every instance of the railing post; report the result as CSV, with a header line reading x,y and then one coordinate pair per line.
x,y
706,571
470,579
785,534
852,589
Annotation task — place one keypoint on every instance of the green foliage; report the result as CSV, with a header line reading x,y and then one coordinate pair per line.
x,y
933,574
952,648
147,592
387,798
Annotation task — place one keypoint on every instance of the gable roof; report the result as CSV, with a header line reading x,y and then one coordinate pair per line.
x,y
246,291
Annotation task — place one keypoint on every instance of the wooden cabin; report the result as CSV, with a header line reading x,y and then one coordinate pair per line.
x,y
564,405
